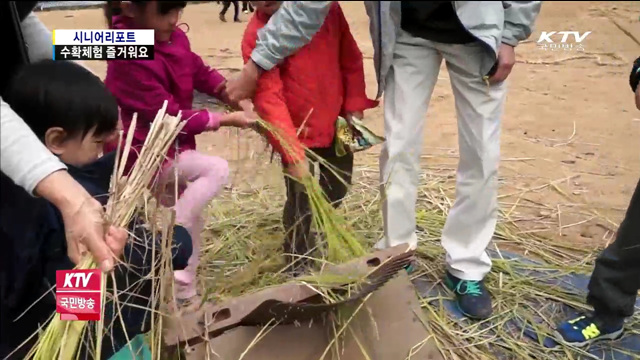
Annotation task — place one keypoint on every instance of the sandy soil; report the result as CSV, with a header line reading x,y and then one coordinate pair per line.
x,y
570,124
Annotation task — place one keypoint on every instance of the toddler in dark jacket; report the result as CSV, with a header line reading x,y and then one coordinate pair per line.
x,y
73,114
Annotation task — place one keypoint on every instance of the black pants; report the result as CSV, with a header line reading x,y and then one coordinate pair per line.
x,y
297,210
246,6
616,278
236,10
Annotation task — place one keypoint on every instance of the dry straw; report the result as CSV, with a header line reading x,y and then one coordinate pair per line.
x,y
242,252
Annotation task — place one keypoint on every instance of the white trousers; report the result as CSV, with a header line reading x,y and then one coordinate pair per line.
x,y
409,85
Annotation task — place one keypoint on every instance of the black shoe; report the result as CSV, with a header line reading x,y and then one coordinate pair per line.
x,y
472,297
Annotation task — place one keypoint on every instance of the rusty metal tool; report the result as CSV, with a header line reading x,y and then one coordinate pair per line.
x,y
288,303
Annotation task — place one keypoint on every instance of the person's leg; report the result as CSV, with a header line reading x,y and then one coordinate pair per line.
x,y
245,7
613,287
225,7
296,220
472,219
236,11
206,176
615,280
409,85
335,178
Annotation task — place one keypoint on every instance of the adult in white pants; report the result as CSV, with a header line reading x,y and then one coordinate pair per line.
x,y
472,219
411,39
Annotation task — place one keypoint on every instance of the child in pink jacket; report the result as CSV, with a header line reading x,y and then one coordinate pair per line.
x,y
142,86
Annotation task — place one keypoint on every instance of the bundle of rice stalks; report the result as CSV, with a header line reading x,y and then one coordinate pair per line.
x,y
61,339
342,244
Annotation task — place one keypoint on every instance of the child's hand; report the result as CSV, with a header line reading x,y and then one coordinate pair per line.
x,y
238,119
215,120
299,171
356,114
247,107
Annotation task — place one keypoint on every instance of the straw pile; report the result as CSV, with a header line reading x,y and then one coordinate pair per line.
x,y
62,339
243,251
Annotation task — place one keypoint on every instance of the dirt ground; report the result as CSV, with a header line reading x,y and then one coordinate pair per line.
x,y
570,124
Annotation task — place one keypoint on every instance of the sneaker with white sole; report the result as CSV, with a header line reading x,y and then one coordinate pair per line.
x,y
584,330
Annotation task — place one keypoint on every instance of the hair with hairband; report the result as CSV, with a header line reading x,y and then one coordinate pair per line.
x,y
114,8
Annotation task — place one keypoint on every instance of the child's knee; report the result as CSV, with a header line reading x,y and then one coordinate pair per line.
x,y
194,165
219,169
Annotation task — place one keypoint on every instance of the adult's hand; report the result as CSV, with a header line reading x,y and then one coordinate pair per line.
x,y
84,221
243,86
506,60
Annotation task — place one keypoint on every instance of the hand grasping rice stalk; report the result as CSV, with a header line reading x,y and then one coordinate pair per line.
x,y
61,339
342,245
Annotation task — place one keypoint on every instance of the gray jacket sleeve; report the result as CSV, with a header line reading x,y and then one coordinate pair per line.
x,y
39,40
23,158
519,17
290,28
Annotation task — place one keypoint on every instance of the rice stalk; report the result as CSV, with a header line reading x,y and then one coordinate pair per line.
x,y
342,245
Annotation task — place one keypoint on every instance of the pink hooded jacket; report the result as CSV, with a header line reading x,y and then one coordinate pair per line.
x,y
142,86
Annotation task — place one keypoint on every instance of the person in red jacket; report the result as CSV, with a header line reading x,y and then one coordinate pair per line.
x,y
302,98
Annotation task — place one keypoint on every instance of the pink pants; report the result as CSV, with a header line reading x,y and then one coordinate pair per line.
x,y
200,179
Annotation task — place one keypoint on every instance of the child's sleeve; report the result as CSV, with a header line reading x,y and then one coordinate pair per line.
x,y
270,104
208,80
140,87
352,67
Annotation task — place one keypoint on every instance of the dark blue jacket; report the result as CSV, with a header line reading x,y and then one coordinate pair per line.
x,y
34,247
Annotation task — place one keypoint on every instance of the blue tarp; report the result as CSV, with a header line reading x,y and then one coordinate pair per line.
x,y
575,284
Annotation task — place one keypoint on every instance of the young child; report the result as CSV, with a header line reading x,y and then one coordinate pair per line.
x,y
615,281
73,114
141,86
303,98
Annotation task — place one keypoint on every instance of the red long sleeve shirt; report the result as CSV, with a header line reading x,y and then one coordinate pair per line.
x,y
304,96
